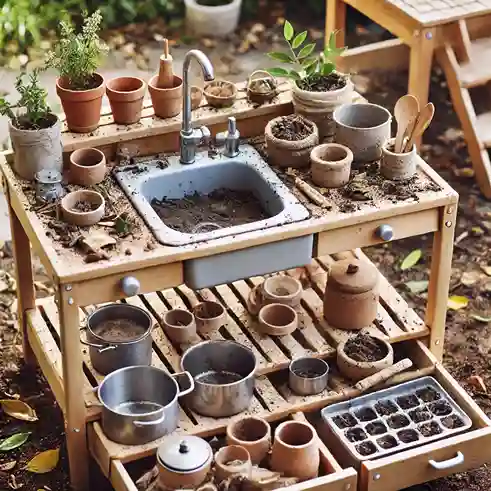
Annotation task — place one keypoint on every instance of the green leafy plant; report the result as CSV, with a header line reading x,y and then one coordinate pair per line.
x,y
32,105
78,55
306,66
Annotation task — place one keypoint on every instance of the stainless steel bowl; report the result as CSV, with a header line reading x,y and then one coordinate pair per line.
x,y
308,375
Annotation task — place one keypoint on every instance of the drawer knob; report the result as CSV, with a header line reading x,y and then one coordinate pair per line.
x,y
384,232
130,286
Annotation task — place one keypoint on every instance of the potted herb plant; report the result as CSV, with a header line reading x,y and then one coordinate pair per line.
x,y
212,17
80,88
318,88
35,131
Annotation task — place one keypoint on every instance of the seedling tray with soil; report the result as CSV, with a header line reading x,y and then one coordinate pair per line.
x,y
395,419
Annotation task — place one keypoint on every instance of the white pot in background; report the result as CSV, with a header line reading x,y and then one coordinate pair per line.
x,y
215,21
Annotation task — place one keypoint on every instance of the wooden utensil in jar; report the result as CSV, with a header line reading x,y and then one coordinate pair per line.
x,y
406,112
423,121
166,71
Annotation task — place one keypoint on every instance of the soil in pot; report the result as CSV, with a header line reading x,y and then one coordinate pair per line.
x,y
366,448
408,402
366,414
262,86
84,206
119,330
420,415
355,435
428,394
376,428
385,408
345,420
333,81
430,429
440,408
408,436
222,207
452,422
365,348
398,421
24,123
292,128
214,377
387,441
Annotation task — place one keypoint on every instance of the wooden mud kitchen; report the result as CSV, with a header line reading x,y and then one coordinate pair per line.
x,y
322,365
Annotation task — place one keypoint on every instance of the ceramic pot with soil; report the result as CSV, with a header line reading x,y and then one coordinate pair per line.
x,y
331,165
397,165
220,93
289,141
210,316
83,208
363,355
87,166
363,128
320,99
216,18
295,451
231,460
166,102
277,319
125,96
82,108
179,325
252,433
282,289
36,147
351,296
261,87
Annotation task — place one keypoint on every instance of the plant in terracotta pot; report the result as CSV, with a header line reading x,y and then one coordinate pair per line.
x,y
76,57
34,130
318,88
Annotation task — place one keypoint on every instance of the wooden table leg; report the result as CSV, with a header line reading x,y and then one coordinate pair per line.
x,y
420,62
25,286
73,381
336,21
441,269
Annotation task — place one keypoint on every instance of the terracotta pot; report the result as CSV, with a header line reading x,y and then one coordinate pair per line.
x,y
331,165
284,153
363,128
210,316
295,451
252,433
179,325
125,96
397,165
83,218
231,453
82,107
166,102
351,296
87,166
219,101
282,289
358,370
277,319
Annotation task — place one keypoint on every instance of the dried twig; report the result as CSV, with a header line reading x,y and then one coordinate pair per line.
x,y
312,194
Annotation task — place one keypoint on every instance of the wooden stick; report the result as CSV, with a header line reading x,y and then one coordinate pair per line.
x,y
383,375
166,72
166,48
311,193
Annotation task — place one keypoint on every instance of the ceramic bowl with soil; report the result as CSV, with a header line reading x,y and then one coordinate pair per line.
x,y
87,166
363,355
210,316
277,319
220,93
289,140
83,208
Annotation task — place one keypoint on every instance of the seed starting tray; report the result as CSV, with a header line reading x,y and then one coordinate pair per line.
x,y
395,419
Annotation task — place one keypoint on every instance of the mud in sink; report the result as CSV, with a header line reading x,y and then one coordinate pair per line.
x,y
216,198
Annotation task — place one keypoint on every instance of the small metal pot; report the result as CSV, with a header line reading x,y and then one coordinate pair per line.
x,y
139,404
308,375
224,376
108,356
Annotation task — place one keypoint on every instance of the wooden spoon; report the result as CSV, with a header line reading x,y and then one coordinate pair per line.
x,y
424,120
166,72
406,109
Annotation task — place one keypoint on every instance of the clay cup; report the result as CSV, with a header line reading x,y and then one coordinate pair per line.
x,y
125,96
397,165
166,102
87,166
331,165
252,433
180,325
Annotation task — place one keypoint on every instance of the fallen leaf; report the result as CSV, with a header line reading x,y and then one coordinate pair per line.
x,y
456,302
18,409
417,286
480,318
464,172
478,383
8,466
13,441
469,278
486,269
98,240
44,462
411,259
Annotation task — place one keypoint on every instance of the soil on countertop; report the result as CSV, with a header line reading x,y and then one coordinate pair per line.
x,y
292,128
365,348
119,330
326,83
220,208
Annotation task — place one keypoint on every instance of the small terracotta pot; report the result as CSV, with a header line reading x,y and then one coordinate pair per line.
x,y
166,102
397,165
331,165
231,453
215,100
210,316
83,218
125,96
277,319
82,107
358,370
351,296
252,433
295,451
87,166
180,325
282,289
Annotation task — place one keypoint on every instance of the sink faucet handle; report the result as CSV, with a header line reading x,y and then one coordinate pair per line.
x,y
205,136
229,138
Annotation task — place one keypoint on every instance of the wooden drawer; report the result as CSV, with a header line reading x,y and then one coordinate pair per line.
x,y
367,233
335,478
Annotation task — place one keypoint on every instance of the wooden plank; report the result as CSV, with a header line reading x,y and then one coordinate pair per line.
x,y
120,479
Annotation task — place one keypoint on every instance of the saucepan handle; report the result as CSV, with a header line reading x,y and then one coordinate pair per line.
x,y
447,464
100,347
143,424
190,382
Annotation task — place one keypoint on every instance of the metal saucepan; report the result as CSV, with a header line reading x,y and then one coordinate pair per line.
x,y
224,376
122,350
139,404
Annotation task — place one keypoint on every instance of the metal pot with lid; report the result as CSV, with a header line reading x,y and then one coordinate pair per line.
x,y
351,296
184,461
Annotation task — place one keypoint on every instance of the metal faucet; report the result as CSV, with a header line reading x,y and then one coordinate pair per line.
x,y
191,138
230,138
